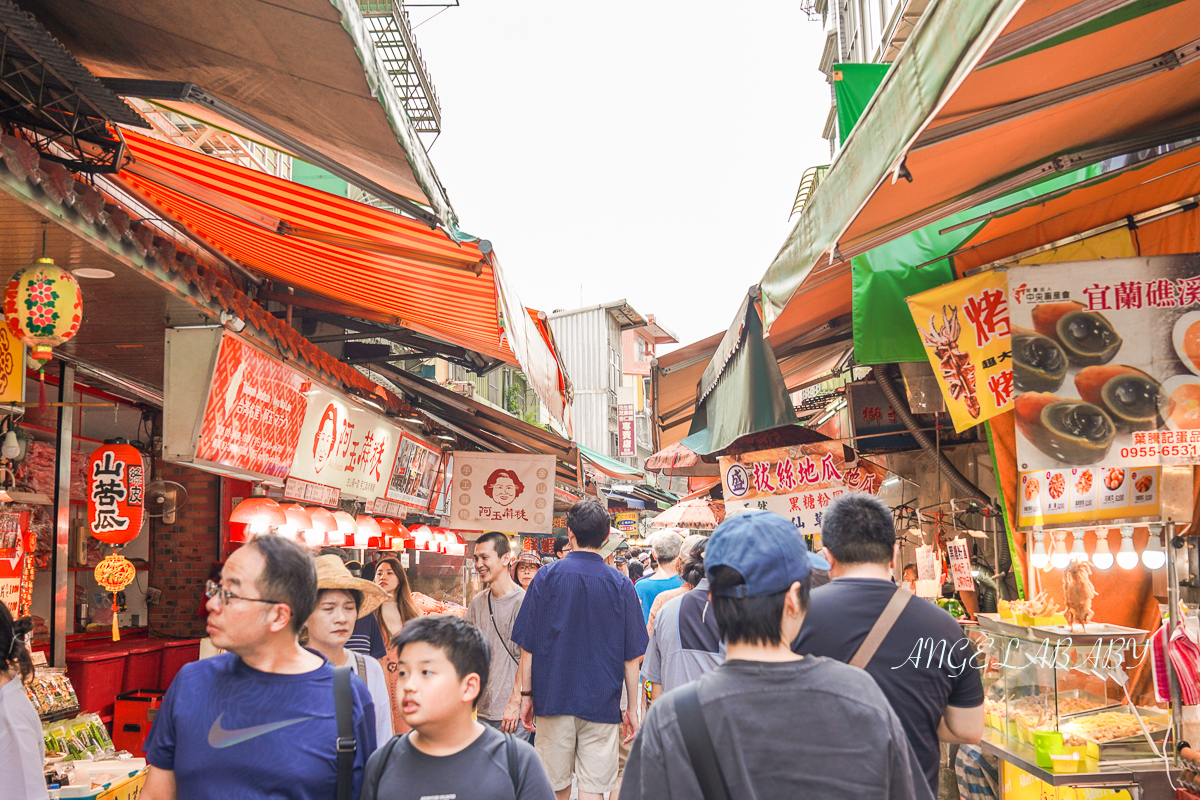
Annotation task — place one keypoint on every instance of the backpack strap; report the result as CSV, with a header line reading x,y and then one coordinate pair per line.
x,y
881,628
698,742
361,663
514,768
383,760
347,745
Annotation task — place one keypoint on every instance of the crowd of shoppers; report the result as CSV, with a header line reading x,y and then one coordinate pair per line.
x,y
738,646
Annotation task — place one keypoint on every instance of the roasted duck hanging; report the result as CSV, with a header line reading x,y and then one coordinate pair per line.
x,y
1078,593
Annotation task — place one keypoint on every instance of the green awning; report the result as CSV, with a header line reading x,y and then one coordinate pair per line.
x,y
884,332
610,466
988,97
742,391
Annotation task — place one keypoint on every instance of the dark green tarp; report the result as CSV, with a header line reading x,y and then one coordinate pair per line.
x,y
853,87
742,391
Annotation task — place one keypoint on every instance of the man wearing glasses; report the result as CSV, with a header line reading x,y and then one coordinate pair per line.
x,y
260,720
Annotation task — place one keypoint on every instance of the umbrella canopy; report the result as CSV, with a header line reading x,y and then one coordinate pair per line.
x,y
694,514
679,459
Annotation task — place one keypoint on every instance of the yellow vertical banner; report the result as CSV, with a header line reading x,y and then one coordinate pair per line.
x,y
964,327
12,367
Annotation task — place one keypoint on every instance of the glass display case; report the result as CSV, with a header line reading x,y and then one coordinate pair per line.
x,y
1049,679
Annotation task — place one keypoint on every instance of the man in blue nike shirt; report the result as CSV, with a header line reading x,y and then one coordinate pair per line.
x,y
260,720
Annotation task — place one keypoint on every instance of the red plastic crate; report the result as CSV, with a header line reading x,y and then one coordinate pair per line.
x,y
134,714
96,673
176,653
143,666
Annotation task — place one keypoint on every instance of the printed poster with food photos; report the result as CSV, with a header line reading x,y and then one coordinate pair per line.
x,y
414,472
1106,365
502,492
797,482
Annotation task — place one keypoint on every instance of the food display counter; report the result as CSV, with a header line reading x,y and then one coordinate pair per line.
x,y
1058,708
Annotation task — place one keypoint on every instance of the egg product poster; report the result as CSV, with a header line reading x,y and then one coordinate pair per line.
x,y
1106,365
502,492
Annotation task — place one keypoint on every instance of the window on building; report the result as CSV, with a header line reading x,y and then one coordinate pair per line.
x,y
647,397
614,368
614,445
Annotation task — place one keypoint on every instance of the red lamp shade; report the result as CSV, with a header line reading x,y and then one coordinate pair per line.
x,y
298,521
259,513
366,529
322,520
392,531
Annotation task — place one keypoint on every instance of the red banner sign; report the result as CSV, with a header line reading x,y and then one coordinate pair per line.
x,y
116,493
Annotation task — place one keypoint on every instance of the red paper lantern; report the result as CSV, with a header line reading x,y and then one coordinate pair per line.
x,y
116,493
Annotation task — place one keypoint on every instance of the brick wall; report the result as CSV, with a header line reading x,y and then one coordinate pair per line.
x,y
183,552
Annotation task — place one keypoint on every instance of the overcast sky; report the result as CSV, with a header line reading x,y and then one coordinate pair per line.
x,y
635,149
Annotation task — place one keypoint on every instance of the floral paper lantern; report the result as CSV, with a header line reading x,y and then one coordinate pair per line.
x,y
43,306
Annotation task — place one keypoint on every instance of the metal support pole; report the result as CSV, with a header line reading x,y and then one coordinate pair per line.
x,y
62,602
1172,612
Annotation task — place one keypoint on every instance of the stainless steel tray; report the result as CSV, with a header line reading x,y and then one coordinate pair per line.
x,y
1094,632
1157,721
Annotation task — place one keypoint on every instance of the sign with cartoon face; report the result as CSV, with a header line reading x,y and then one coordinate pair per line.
x,y
504,492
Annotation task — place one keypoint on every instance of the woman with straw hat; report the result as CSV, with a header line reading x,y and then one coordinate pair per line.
x,y
341,600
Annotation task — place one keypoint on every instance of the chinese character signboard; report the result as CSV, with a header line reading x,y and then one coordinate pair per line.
x,y
1107,365
626,404
116,493
255,408
626,522
413,472
12,367
16,562
966,331
344,446
503,492
258,419
797,482
960,565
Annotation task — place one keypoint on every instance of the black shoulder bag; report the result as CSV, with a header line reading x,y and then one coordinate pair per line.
x,y
698,741
343,699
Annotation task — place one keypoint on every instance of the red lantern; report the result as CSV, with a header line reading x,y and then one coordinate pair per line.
x,y
116,493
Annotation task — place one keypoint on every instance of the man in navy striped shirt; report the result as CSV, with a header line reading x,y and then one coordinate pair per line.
x,y
581,635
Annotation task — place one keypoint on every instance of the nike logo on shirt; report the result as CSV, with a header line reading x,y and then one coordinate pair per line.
x,y
219,737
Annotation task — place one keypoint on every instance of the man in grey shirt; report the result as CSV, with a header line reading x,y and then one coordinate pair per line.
x,y
685,642
781,725
494,611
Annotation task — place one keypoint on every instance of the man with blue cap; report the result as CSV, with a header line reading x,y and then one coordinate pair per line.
x,y
769,723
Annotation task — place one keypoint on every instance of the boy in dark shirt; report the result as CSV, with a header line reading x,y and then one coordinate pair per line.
x,y
443,669
781,725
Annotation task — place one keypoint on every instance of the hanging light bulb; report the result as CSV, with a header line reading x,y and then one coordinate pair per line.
x,y
1077,551
1039,559
1154,557
1060,558
11,447
1103,557
1127,557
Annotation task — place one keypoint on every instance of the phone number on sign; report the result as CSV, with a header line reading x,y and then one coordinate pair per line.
x,y
1164,450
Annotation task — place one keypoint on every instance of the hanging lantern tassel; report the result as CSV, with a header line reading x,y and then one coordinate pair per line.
x,y
42,389
114,573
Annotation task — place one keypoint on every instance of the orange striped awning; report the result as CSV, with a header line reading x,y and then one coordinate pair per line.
x,y
327,245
